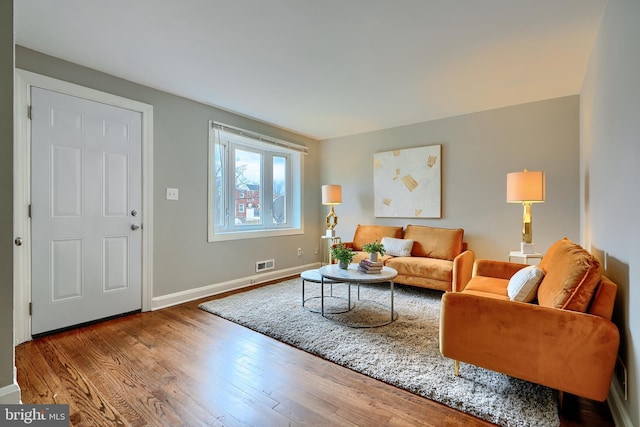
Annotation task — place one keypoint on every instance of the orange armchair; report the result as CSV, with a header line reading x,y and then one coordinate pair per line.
x,y
565,341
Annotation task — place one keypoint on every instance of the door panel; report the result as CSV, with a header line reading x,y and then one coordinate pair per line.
x,y
116,185
66,269
116,255
66,181
85,182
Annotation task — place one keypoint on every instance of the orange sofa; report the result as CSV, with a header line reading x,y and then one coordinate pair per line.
x,y
431,257
563,339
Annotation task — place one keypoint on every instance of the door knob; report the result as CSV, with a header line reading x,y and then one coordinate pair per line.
x,y
134,227
18,241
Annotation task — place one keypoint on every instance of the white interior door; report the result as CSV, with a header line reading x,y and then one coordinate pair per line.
x,y
86,190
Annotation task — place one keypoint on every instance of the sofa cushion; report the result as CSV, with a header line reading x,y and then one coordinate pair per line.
x,y
397,247
571,276
432,268
441,243
523,286
370,233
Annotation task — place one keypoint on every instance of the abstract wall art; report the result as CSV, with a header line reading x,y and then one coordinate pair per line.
x,y
407,182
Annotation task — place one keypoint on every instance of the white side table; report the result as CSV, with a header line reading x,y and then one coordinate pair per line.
x,y
327,242
525,257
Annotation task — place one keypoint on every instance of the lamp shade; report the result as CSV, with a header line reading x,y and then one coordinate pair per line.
x,y
526,186
331,194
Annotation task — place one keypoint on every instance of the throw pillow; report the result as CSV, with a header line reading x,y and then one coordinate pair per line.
x,y
397,247
523,286
571,275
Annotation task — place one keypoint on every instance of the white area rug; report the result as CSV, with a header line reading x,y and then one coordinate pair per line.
x,y
405,353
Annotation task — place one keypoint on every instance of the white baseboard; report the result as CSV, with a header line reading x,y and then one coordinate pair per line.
x,y
218,288
617,406
10,394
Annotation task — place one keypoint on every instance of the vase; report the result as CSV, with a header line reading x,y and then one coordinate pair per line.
x,y
343,264
373,256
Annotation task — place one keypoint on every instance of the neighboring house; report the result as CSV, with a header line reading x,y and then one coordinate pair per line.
x,y
247,203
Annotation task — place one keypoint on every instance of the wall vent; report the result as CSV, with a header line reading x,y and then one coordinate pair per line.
x,y
268,264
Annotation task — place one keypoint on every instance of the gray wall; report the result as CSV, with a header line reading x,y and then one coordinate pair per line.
x,y
478,150
6,193
610,173
183,259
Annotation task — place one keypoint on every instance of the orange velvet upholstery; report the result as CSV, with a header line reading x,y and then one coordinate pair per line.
x,y
489,287
439,258
497,269
369,233
603,299
565,350
558,347
571,276
432,242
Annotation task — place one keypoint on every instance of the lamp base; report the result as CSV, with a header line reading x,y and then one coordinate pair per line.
x,y
527,248
331,233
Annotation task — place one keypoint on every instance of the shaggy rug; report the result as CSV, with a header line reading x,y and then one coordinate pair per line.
x,y
404,353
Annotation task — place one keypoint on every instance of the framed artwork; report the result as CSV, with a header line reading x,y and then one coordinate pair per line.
x,y
407,183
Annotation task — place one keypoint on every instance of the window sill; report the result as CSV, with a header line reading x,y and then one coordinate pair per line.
x,y
254,234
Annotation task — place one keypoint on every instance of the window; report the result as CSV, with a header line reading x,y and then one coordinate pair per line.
x,y
254,184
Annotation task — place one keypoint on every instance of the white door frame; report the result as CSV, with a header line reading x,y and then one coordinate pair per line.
x,y
22,194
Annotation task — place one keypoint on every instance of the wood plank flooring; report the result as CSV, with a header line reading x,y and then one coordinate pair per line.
x,y
181,366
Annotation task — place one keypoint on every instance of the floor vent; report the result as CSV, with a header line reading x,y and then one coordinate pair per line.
x,y
265,265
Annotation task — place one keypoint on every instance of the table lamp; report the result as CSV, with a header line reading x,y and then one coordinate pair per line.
x,y
526,187
331,195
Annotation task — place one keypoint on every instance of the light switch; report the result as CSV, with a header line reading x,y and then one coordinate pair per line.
x,y
172,194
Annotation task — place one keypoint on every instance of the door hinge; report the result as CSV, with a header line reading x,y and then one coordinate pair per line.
x,y
30,309
29,211
30,112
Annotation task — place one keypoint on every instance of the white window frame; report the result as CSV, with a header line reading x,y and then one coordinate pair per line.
x,y
229,138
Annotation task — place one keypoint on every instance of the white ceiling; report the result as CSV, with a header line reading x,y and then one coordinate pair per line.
x,y
328,68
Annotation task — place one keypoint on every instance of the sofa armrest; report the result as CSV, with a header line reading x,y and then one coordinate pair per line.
x,y
497,269
565,350
462,270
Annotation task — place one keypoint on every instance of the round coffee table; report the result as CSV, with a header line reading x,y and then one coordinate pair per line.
x,y
352,275
314,277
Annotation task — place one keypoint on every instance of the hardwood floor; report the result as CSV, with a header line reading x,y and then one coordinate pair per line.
x,y
181,366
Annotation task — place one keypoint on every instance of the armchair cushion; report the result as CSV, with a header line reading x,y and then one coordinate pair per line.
x,y
488,287
523,286
571,277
